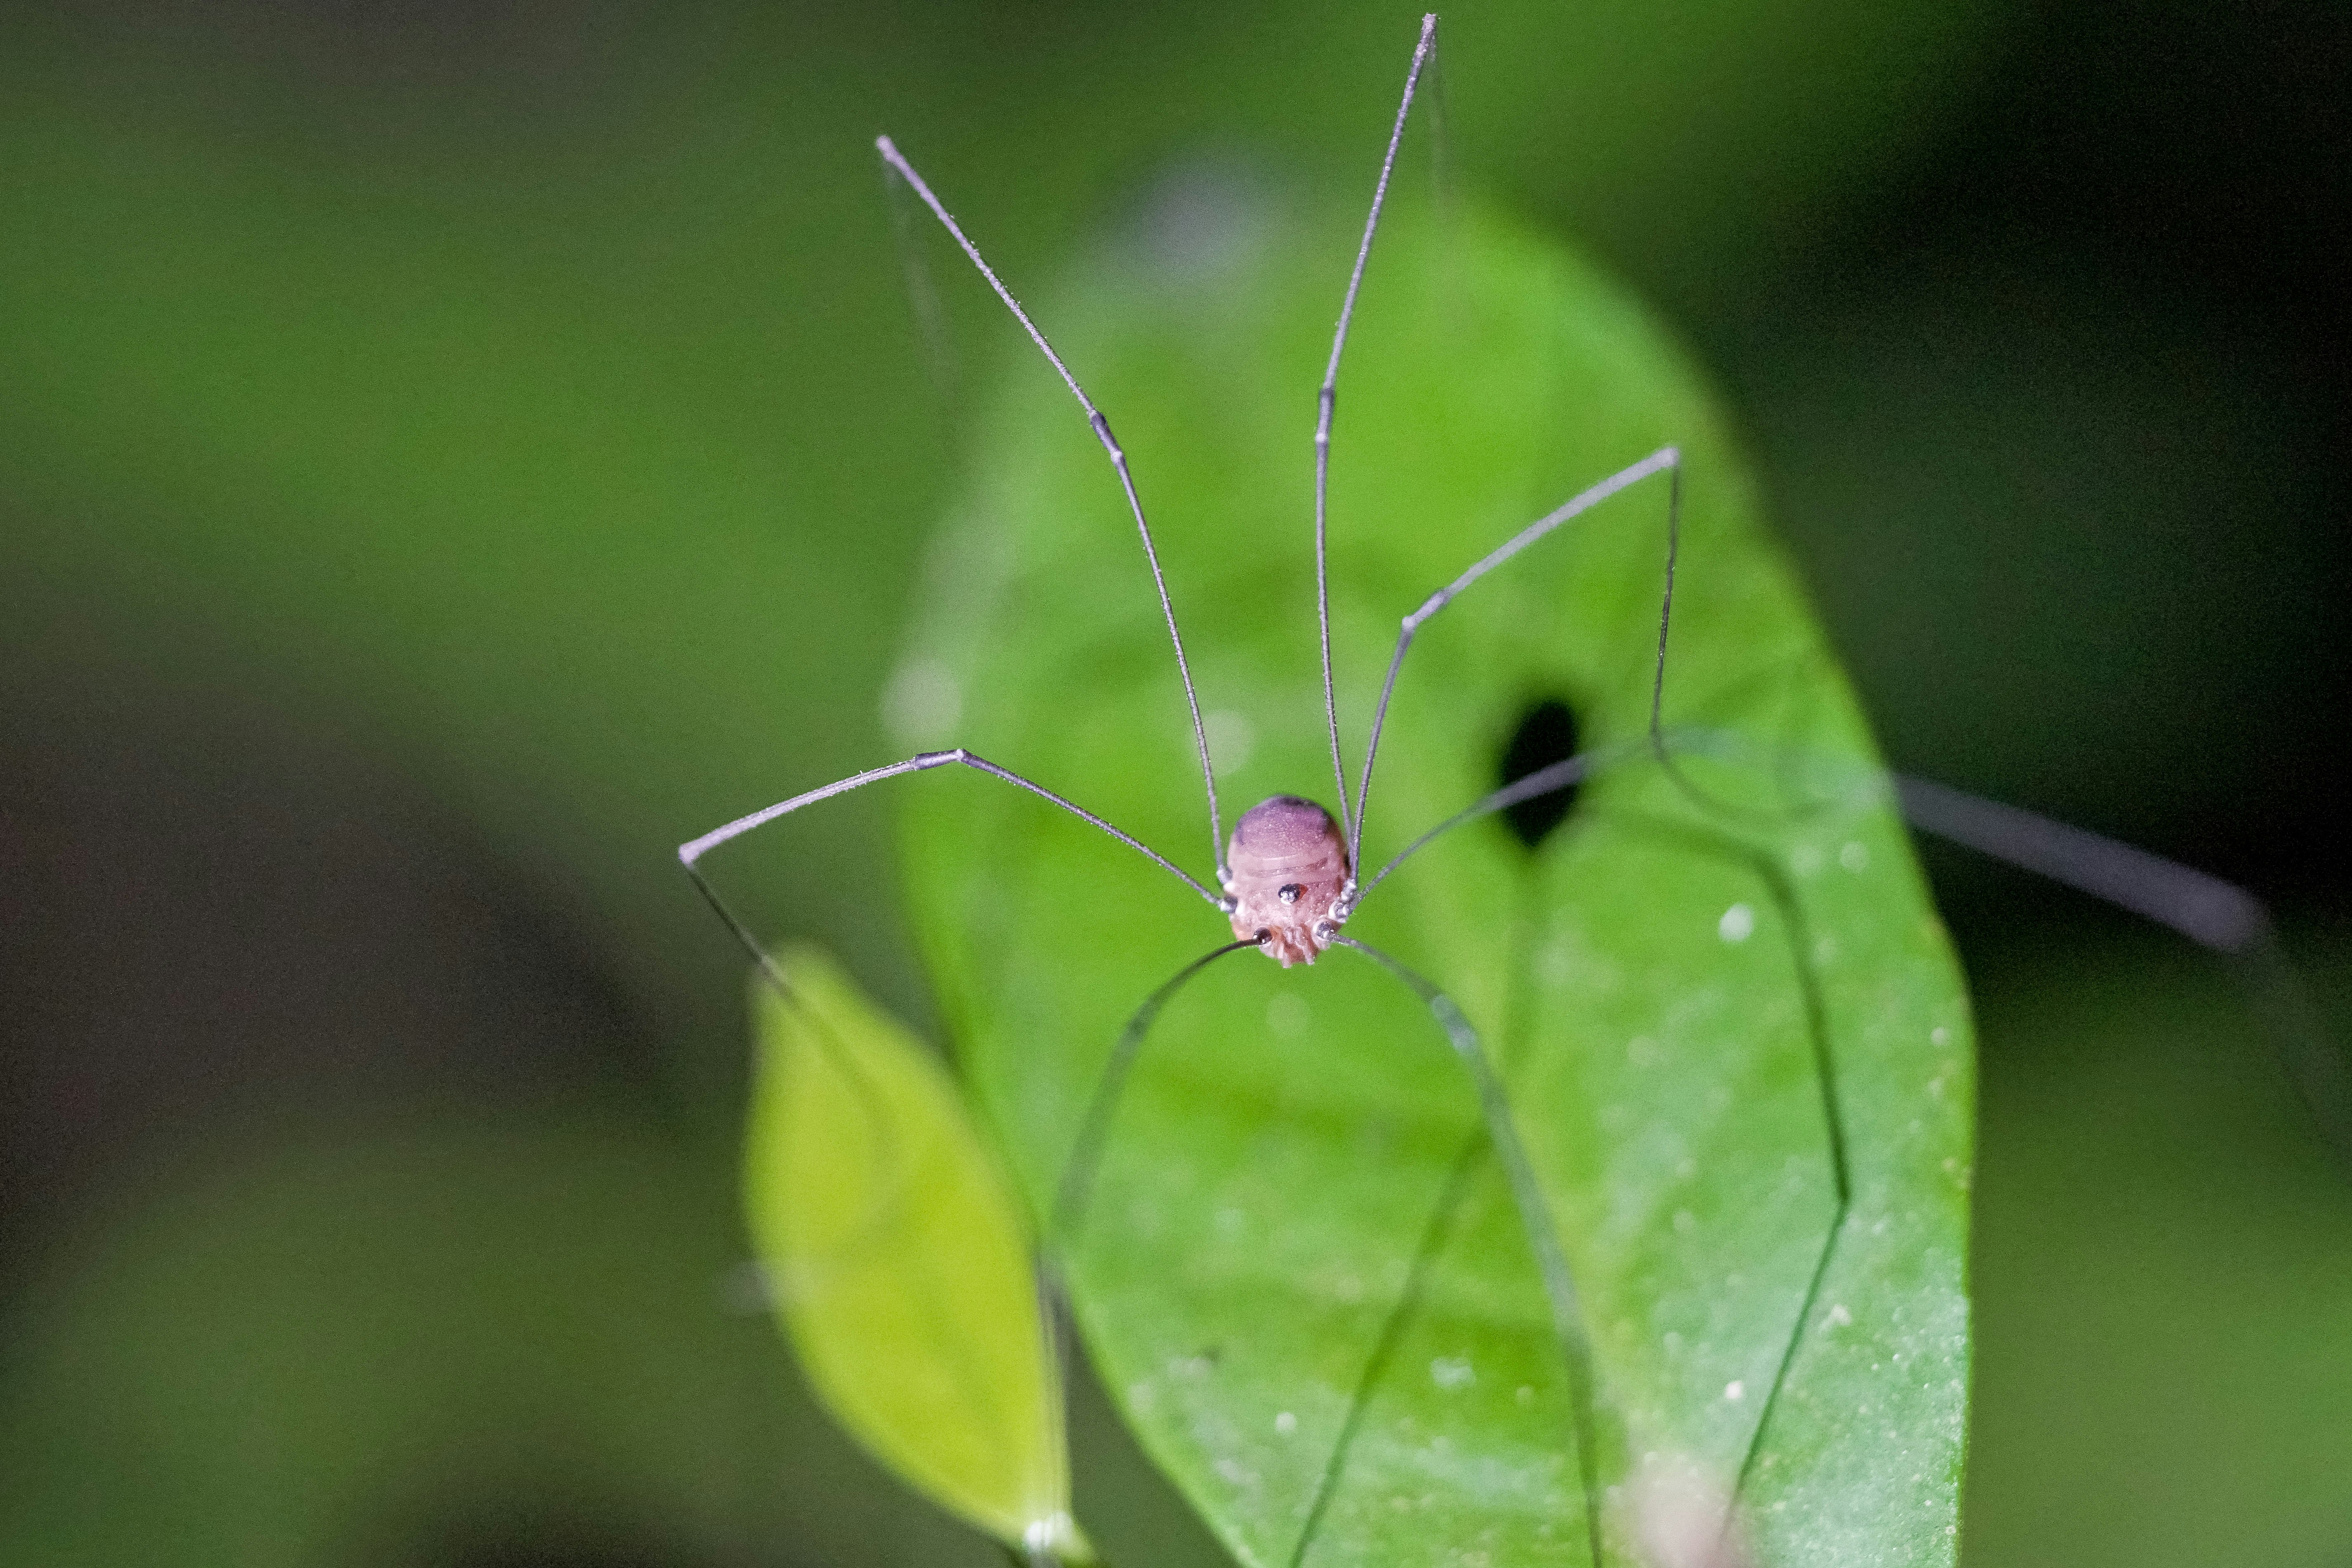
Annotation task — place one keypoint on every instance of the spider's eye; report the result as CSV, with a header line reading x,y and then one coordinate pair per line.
x,y
1288,892
1262,937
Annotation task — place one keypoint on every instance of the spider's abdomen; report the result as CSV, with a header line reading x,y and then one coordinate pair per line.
x,y
1287,866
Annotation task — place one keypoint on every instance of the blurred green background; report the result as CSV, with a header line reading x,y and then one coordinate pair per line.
x,y
451,453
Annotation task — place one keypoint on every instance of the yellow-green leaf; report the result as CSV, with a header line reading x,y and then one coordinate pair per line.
x,y
901,1266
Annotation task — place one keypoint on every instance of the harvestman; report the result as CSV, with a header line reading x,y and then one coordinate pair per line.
x,y
1288,879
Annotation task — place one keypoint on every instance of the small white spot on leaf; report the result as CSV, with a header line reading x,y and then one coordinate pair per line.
x,y
1054,1534
1451,1372
1737,924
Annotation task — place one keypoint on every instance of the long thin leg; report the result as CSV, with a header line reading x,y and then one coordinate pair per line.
x,y
2206,909
1840,1168
1072,1194
1780,887
2220,916
1409,1302
1666,613
2213,913
1543,781
692,851
1117,461
1326,400
1535,1216
1668,459
695,850
2209,911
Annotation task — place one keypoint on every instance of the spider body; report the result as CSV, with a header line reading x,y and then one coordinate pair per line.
x,y
1287,878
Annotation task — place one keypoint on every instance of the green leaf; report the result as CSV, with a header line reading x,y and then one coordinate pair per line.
x,y
1299,1273
900,1261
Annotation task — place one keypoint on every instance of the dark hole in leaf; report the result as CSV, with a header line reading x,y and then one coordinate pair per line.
x,y
1545,734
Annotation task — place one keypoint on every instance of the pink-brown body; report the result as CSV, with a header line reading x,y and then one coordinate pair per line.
x,y
1287,873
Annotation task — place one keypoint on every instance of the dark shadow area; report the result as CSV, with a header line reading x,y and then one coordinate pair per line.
x,y
228,920
1545,734
2101,334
